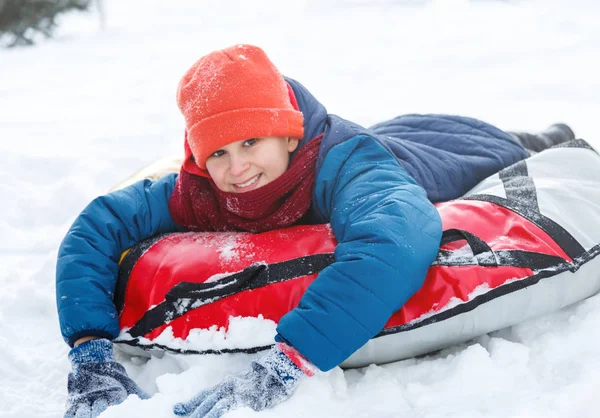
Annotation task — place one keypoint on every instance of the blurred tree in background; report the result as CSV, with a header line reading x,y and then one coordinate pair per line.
x,y
22,20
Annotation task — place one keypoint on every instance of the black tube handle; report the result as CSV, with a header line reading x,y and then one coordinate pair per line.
x,y
483,253
217,289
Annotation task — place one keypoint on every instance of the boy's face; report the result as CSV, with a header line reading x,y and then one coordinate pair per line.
x,y
251,163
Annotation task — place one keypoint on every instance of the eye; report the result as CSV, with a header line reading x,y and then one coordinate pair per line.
x,y
217,153
250,142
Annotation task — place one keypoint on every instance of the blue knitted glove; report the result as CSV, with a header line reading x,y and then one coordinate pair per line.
x,y
271,380
97,381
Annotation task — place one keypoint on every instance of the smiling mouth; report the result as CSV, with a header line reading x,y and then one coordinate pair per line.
x,y
247,183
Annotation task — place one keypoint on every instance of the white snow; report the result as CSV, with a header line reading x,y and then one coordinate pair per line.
x,y
241,333
81,112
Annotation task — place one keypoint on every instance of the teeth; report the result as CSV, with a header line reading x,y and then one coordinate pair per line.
x,y
249,182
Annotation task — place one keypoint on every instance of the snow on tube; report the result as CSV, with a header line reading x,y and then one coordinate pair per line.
x,y
521,244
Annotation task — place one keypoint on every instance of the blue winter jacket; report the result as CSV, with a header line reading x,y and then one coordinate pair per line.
x,y
374,186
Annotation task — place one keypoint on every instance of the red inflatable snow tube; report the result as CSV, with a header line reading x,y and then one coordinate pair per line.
x,y
198,280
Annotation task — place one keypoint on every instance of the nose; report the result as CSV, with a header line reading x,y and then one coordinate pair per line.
x,y
238,164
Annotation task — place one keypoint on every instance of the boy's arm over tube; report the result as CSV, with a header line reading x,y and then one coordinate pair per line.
x,y
388,235
88,258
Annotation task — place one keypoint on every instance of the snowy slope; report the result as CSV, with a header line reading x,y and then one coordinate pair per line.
x,y
81,112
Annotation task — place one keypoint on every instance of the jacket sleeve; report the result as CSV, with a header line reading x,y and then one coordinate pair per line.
x,y
88,258
388,235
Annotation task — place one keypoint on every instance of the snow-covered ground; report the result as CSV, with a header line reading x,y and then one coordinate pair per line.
x,y
81,112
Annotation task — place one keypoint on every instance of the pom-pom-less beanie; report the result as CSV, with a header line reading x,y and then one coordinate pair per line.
x,y
231,95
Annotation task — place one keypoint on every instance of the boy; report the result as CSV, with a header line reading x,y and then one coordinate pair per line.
x,y
262,153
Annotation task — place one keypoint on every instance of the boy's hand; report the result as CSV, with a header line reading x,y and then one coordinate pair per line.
x,y
97,381
271,380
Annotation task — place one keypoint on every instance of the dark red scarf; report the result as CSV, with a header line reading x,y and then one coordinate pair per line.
x,y
198,205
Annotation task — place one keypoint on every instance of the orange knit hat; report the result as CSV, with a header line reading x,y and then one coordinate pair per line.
x,y
231,95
